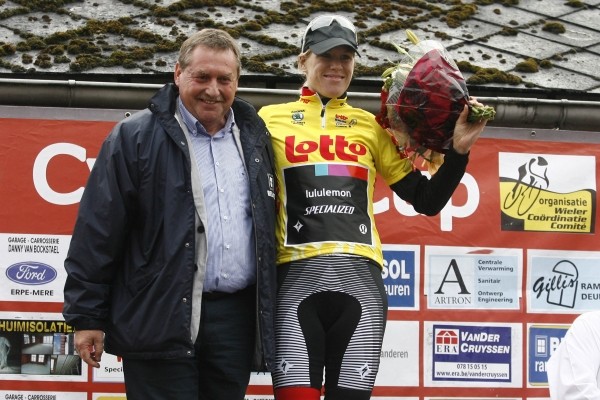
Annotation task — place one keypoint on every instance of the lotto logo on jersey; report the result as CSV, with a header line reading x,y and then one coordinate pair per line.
x,y
330,148
343,121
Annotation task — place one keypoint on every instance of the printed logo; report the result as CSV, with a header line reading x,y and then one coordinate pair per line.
x,y
330,148
31,273
537,193
533,178
324,203
342,121
364,370
563,281
483,340
271,189
285,366
399,277
561,287
446,341
476,353
298,117
543,342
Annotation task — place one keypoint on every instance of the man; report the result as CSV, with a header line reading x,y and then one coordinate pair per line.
x,y
574,368
171,263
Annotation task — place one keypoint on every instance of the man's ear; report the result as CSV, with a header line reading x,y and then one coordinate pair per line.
x,y
177,73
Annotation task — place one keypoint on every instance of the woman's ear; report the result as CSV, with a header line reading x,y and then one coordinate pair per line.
x,y
302,62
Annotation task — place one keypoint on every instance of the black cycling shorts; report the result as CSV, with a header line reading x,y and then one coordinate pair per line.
x,y
331,316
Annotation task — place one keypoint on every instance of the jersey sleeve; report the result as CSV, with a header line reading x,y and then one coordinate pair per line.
x,y
388,162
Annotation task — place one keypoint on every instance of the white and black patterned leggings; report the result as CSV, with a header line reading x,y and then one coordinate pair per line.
x,y
331,315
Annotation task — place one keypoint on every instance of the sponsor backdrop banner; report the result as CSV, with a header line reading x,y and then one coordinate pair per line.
x,y
479,295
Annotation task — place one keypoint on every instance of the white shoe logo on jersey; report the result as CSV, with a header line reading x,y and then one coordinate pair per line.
x,y
284,366
364,371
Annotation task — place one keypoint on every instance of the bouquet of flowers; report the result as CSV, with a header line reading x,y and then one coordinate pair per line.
x,y
421,99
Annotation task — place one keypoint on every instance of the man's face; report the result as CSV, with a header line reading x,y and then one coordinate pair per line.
x,y
207,86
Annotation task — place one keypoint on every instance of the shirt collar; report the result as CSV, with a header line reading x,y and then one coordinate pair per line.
x,y
196,128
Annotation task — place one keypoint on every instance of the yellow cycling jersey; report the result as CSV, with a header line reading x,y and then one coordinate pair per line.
x,y
327,158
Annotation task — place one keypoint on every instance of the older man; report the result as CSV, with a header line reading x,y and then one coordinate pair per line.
x,y
171,263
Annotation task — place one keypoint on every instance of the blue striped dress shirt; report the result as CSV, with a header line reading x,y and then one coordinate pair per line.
x,y
229,229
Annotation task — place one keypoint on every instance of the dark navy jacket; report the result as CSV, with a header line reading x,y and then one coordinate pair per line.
x,y
131,261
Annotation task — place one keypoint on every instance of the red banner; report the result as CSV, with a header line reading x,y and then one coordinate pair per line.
x,y
480,295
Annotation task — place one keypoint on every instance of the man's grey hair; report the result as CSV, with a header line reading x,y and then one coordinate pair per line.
x,y
215,39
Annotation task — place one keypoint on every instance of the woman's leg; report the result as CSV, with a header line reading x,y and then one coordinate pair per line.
x,y
331,314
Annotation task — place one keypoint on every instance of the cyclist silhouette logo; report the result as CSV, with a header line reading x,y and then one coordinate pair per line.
x,y
547,192
532,180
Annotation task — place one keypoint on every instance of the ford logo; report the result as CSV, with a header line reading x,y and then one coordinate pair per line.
x,y
31,273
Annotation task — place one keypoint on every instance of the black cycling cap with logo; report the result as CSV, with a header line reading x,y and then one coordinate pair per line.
x,y
328,31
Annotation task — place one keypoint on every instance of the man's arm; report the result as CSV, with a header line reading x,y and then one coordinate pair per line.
x,y
573,368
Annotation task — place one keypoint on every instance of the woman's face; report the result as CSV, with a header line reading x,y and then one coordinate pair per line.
x,y
330,73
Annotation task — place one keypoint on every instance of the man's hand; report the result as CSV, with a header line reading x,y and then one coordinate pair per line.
x,y
466,133
90,346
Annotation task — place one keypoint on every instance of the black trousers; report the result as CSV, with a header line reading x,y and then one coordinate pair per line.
x,y
220,369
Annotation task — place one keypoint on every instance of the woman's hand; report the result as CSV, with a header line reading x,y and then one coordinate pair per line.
x,y
466,133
